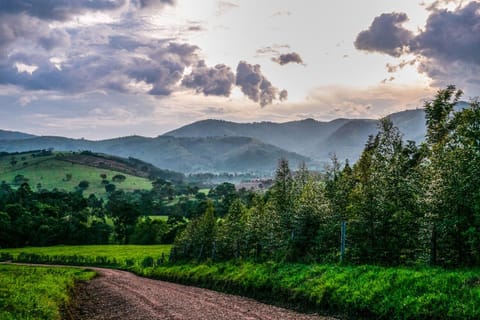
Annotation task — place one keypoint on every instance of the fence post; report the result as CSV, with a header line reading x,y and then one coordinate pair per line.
x,y
343,240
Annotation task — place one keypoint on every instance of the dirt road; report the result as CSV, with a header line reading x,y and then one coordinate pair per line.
x,y
122,295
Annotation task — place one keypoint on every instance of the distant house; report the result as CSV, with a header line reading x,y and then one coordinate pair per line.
x,y
254,185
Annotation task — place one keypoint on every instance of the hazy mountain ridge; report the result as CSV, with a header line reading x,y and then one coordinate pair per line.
x,y
223,146
213,154
312,138
14,135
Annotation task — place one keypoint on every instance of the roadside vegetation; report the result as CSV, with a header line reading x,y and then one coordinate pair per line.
x,y
37,292
357,292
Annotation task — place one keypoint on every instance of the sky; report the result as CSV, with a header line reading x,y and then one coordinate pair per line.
x,y
108,68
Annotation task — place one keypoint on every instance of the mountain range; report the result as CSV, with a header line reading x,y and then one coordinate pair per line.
x,y
223,146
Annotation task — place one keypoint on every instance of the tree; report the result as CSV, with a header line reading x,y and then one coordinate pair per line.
x,y
148,231
232,231
124,213
452,180
197,241
282,198
83,185
384,212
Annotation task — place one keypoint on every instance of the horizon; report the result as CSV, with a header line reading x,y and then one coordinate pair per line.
x,y
202,120
106,69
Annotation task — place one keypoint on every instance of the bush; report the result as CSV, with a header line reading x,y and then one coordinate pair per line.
x,y
83,184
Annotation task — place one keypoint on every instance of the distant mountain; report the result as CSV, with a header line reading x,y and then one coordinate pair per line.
x,y
223,146
14,135
315,139
209,154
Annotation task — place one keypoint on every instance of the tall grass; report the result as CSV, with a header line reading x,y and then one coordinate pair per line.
x,y
36,292
352,291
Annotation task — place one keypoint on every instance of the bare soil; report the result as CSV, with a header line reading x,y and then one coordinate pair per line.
x,y
122,295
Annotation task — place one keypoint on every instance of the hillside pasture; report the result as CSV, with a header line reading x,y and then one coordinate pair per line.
x,y
50,172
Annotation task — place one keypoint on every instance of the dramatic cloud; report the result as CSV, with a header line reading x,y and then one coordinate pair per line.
x,y
78,47
210,81
386,34
286,58
58,9
254,85
446,50
154,3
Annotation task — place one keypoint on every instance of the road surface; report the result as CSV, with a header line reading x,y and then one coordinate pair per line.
x,y
122,295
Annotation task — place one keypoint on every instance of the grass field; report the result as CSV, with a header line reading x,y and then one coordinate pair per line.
x,y
36,292
49,172
118,256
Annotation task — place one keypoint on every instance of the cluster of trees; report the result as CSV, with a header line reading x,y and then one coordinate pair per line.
x,y
43,218
49,217
403,203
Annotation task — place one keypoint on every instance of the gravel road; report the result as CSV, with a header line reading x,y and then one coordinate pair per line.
x,y
122,295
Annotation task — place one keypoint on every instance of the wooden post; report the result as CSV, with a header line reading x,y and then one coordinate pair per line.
x,y
343,240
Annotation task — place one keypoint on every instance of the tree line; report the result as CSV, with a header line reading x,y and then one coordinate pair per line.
x,y
403,203
44,217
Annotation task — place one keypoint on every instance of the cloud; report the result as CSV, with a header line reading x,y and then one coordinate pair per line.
x,y
218,80
391,68
386,35
330,102
254,85
154,3
57,9
225,6
286,58
446,49
58,54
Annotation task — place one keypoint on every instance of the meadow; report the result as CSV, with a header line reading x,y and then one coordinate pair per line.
x,y
115,256
48,172
37,292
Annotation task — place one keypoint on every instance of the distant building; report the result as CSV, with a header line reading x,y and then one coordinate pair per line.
x,y
254,184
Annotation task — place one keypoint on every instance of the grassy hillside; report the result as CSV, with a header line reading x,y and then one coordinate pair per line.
x,y
36,292
62,172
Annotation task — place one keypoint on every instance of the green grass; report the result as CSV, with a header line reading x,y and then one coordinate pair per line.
x,y
50,173
117,256
357,291
163,218
36,292
349,291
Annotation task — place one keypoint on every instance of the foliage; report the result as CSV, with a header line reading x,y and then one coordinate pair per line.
x,y
36,292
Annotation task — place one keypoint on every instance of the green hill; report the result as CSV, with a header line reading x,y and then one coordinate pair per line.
x,y
65,171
